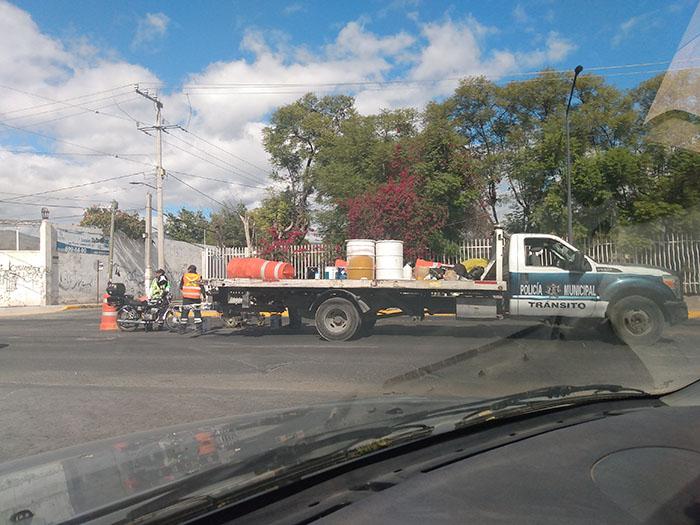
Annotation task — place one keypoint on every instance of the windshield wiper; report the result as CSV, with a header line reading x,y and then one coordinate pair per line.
x,y
548,398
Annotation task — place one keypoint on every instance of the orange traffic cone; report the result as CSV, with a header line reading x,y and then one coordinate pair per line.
x,y
108,321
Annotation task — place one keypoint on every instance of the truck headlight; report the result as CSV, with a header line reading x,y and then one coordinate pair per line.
x,y
673,283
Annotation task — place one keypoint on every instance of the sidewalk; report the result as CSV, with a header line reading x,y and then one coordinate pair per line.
x,y
21,311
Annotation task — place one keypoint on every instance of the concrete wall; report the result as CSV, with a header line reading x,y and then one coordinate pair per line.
x,y
22,278
71,276
78,274
30,277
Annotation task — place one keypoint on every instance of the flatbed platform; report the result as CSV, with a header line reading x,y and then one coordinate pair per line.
x,y
350,284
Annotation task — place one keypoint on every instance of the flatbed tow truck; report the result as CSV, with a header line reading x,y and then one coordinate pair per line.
x,y
528,275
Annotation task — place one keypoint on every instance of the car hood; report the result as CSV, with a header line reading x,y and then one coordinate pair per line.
x,y
63,484
630,269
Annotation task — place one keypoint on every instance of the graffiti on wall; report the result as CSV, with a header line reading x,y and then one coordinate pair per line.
x,y
20,279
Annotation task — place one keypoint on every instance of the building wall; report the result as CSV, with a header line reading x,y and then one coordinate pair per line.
x,y
78,274
22,278
66,272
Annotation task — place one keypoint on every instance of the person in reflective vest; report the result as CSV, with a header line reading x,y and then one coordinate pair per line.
x,y
159,294
192,293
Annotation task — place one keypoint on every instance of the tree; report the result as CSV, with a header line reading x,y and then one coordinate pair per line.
x,y
226,225
397,210
293,139
448,174
187,225
480,117
129,223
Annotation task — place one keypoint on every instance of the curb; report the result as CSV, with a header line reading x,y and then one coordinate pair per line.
x,y
693,314
80,306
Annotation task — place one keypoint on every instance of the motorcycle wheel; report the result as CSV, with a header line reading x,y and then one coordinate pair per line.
x,y
171,320
128,319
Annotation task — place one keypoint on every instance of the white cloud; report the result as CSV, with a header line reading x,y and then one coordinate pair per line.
x,y
635,25
293,8
520,15
150,29
353,40
230,118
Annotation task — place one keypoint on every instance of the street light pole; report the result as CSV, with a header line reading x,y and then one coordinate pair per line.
x,y
569,213
111,240
147,272
160,172
159,187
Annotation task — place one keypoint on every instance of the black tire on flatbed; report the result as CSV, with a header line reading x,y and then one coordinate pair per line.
x,y
337,319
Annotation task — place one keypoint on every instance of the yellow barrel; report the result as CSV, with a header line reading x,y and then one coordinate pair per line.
x,y
360,267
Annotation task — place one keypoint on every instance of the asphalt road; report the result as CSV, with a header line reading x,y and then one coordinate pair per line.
x,y
63,382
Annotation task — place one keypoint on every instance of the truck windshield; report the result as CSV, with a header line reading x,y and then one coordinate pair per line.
x,y
545,251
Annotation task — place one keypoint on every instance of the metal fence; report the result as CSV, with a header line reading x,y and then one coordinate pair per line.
x,y
680,253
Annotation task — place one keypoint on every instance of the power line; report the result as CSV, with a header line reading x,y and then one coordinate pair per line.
x,y
78,185
198,191
78,199
219,180
43,135
361,83
23,203
240,171
79,106
56,153
264,170
53,101
206,160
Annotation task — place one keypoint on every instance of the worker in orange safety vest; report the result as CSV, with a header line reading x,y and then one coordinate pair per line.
x,y
192,294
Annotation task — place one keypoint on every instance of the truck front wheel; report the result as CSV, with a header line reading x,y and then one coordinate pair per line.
x,y
637,320
337,319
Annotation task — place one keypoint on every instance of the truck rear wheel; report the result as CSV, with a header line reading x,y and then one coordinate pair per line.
x,y
637,320
337,319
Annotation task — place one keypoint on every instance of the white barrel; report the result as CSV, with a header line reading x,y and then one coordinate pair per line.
x,y
360,247
389,260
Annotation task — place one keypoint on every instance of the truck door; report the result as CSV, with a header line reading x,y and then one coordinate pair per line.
x,y
546,283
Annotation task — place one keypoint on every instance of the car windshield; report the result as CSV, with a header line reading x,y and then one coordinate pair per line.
x,y
319,228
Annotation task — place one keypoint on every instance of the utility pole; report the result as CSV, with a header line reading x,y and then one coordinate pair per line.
x,y
160,172
147,273
111,239
569,213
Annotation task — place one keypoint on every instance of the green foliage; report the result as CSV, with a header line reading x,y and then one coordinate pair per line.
x,y
491,151
129,223
296,134
186,225
226,225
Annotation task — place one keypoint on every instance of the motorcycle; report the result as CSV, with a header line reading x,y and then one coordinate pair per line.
x,y
133,312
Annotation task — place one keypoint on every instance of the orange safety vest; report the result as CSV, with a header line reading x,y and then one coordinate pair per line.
x,y
190,286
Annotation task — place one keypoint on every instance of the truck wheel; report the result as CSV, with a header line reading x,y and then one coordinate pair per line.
x,y
337,319
637,320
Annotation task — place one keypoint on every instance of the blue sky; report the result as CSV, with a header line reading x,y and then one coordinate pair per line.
x,y
54,51
605,32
